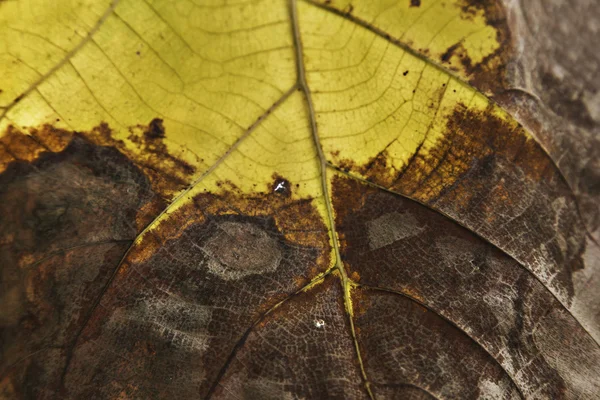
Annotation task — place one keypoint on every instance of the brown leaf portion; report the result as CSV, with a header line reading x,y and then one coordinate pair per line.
x,y
168,173
15,146
554,89
404,343
67,218
189,290
396,244
302,350
403,391
488,175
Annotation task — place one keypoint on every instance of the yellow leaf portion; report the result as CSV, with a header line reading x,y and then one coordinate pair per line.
x,y
373,97
281,148
283,145
432,27
208,72
35,36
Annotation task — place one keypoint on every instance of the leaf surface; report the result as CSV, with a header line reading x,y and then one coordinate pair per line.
x,y
273,199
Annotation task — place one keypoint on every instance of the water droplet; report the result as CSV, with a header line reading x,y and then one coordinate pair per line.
x,y
280,187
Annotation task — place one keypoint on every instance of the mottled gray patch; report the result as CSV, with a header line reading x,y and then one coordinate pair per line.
x,y
490,390
500,301
587,303
554,69
576,360
183,324
592,103
239,249
460,254
390,228
267,390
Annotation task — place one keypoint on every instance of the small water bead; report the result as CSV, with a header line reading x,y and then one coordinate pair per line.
x,y
319,323
281,186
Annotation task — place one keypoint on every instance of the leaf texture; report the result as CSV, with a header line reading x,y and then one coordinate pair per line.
x,y
282,199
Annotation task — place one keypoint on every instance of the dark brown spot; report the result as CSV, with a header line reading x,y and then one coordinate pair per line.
x,y
170,172
155,130
405,73
415,3
151,349
448,53
376,166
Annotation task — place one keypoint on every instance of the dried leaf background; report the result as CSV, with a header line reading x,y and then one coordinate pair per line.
x,y
83,315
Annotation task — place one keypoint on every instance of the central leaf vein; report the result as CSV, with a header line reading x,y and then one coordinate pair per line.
x,y
303,86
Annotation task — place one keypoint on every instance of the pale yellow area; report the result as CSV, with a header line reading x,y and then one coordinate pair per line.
x,y
209,71
282,145
36,35
431,28
371,96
